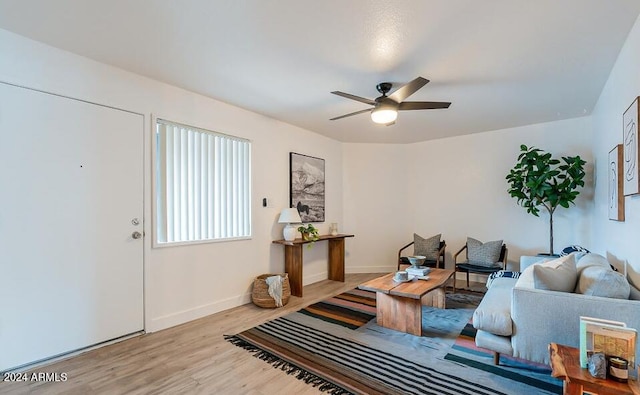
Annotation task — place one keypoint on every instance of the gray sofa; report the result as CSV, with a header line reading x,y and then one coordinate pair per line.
x,y
518,318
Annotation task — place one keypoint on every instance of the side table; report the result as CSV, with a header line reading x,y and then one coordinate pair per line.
x,y
565,364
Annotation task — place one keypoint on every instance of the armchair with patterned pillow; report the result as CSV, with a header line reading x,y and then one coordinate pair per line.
x,y
482,258
432,248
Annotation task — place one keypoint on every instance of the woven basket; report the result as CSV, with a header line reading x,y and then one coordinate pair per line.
x,y
260,295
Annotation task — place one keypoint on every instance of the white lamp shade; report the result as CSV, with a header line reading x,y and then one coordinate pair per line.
x,y
289,216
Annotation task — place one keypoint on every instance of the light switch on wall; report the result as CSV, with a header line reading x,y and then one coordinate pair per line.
x,y
266,202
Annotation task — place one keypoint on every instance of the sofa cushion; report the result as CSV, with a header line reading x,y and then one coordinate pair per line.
x,y
526,278
493,315
426,247
591,259
556,275
500,344
635,292
483,254
602,281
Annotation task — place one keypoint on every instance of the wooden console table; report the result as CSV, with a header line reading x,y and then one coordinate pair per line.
x,y
293,260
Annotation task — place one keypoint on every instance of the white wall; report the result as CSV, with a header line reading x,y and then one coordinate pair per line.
x,y
183,283
375,184
617,240
461,190
457,187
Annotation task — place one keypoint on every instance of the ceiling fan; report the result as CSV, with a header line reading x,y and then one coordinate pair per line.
x,y
385,108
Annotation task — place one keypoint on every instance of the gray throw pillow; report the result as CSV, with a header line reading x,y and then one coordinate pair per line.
x,y
602,281
484,254
426,247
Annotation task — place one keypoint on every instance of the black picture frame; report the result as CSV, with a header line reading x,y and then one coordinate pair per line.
x,y
307,186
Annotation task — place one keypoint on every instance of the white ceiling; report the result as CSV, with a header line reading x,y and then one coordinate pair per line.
x,y
502,63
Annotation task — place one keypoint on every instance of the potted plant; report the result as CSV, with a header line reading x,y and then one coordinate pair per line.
x,y
537,180
309,233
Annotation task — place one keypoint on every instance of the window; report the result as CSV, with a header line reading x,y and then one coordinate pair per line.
x,y
203,184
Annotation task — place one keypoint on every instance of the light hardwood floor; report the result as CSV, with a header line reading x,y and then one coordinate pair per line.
x,y
192,358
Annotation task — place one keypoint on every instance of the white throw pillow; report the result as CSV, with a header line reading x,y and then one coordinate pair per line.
x,y
526,278
556,275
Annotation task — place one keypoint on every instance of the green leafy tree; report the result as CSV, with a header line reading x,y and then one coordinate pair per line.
x,y
538,180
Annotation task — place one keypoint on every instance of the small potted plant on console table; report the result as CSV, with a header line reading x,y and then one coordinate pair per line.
x,y
309,233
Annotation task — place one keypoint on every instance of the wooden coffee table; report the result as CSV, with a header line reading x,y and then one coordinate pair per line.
x,y
399,305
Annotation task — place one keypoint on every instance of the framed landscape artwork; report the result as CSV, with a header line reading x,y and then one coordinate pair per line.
x,y
616,194
631,175
306,176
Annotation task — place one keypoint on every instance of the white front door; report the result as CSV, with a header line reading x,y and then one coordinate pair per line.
x,y
71,193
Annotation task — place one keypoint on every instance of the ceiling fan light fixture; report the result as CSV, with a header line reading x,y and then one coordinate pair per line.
x,y
384,115
385,108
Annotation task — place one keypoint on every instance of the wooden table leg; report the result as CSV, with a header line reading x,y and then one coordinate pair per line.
x,y
336,259
398,313
571,388
293,266
436,298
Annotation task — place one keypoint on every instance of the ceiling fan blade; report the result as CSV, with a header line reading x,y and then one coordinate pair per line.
x,y
350,114
423,105
354,97
408,89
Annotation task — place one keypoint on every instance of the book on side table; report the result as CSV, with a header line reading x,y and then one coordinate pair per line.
x,y
609,337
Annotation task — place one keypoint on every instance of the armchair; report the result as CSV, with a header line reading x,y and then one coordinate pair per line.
x,y
471,267
437,263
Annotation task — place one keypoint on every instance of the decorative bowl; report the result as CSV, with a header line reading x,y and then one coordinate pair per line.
x,y
416,260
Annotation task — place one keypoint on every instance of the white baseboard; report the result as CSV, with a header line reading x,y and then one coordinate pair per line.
x,y
371,269
173,319
306,280
181,317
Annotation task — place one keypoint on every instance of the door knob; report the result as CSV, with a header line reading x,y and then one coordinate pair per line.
x,y
136,235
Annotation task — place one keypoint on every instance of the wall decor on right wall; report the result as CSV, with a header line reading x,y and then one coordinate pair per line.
x,y
631,175
616,194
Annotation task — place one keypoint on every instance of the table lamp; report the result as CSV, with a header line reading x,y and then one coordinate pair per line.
x,y
289,216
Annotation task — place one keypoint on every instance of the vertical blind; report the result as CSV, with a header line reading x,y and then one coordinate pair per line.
x,y
203,182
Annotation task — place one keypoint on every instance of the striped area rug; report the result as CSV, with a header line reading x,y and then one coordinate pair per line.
x,y
537,375
340,366
351,309
336,346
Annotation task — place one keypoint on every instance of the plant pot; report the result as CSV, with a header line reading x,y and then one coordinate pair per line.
x,y
547,255
309,236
